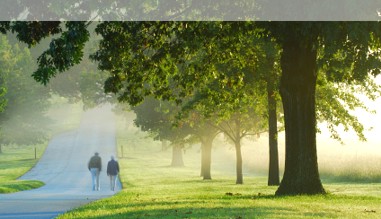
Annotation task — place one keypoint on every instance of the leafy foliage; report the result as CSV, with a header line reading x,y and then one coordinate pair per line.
x,y
23,120
156,117
218,64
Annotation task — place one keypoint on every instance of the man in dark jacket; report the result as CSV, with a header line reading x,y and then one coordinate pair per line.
x,y
95,166
112,172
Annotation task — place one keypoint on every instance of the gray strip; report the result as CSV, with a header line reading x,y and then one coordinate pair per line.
x,y
191,10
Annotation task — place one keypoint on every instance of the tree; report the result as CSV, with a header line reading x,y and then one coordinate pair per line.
x,y
237,128
301,42
236,108
5,62
157,118
23,120
154,45
271,78
206,134
202,129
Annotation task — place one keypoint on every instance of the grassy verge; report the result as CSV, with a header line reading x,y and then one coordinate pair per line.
x,y
15,161
152,189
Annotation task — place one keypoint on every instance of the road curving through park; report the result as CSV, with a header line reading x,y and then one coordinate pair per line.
x,y
63,169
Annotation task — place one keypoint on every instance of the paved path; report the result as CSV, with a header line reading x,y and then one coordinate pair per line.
x,y
63,168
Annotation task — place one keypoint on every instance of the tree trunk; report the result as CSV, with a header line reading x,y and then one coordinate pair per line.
x,y
177,156
239,162
298,81
273,178
206,157
164,145
1,150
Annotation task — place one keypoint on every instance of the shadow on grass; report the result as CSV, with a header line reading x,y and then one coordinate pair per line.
x,y
136,206
213,212
350,179
220,212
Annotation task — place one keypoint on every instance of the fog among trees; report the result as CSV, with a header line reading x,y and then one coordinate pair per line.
x,y
242,81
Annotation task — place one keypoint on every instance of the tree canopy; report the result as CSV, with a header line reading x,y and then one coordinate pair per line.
x,y
145,58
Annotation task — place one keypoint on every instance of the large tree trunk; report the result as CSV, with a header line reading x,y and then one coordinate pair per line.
x,y
206,157
164,145
239,162
298,81
273,178
177,156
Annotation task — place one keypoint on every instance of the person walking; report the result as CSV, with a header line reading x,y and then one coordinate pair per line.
x,y
112,172
95,167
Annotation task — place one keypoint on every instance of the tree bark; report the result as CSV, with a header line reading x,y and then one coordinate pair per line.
x,y
297,87
273,177
177,156
238,162
1,150
206,157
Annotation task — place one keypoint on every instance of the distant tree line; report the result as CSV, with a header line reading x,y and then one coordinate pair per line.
x,y
23,102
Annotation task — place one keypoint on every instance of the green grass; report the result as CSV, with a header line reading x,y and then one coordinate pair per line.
x,y
152,189
15,161
19,185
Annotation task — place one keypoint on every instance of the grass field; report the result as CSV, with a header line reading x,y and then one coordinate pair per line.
x,y
152,189
15,161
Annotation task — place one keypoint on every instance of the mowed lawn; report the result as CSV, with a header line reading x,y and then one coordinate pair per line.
x,y
14,162
153,189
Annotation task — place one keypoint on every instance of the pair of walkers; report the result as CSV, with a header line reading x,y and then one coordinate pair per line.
x,y
95,167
